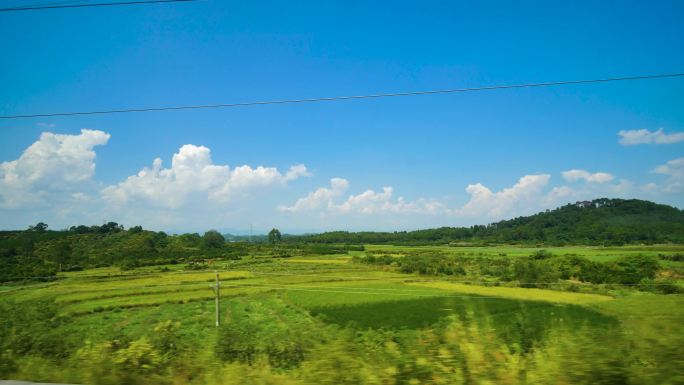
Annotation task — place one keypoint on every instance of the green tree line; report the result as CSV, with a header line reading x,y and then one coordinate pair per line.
x,y
597,222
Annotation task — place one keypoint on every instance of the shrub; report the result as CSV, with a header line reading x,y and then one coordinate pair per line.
x,y
662,286
632,269
542,254
534,272
196,266
672,257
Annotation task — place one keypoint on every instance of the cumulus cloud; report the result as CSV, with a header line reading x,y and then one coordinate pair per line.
x,y
54,163
321,198
483,202
525,195
675,170
528,195
521,197
533,193
577,175
644,136
371,202
326,201
53,180
193,177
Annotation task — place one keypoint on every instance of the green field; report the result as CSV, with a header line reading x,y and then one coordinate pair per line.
x,y
599,253
329,319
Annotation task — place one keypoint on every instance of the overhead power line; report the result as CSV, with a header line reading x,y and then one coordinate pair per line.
x,y
49,6
53,3
342,98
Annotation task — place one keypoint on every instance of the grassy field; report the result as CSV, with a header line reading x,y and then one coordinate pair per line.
x,y
326,319
598,253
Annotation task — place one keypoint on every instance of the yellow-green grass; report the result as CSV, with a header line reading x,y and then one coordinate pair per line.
x,y
160,277
334,261
525,294
91,295
83,301
105,289
646,305
87,283
153,299
353,293
322,278
155,279
326,296
410,306
598,253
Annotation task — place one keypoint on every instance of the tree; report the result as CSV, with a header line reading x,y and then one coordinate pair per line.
x,y
213,239
110,227
274,236
39,227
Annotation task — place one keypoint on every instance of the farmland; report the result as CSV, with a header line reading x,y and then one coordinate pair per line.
x,y
347,318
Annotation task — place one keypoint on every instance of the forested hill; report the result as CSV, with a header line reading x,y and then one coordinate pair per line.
x,y
598,222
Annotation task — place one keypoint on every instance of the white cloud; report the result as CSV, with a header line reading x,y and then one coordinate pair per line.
x,y
644,136
675,170
326,201
53,181
372,202
193,177
321,198
54,163
296,172
529,195
576,175
524,196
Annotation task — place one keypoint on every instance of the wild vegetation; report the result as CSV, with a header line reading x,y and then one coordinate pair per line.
x,y
109,305
39,253
384,315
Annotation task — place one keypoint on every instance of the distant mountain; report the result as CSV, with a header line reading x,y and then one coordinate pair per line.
x,y
598,222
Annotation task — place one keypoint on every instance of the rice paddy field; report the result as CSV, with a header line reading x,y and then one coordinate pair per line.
x,y
327,319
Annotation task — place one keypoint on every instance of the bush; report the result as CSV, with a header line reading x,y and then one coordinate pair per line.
x,y
542,254
672,257
534,272
661,286
632,269
196,266
129,265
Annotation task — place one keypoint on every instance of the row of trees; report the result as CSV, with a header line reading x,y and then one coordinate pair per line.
x,y
39,253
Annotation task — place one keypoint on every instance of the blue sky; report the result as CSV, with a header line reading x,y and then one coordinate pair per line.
x,y
427,149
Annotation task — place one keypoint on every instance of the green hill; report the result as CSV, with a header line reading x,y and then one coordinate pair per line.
x,y
598,222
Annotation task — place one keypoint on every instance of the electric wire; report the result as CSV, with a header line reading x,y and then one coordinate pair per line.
x,y
339,98
47,6
52,3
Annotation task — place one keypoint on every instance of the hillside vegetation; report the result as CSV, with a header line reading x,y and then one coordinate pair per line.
x,y
599,222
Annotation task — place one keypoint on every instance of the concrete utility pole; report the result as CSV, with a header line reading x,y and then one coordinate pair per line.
x,y
217,291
